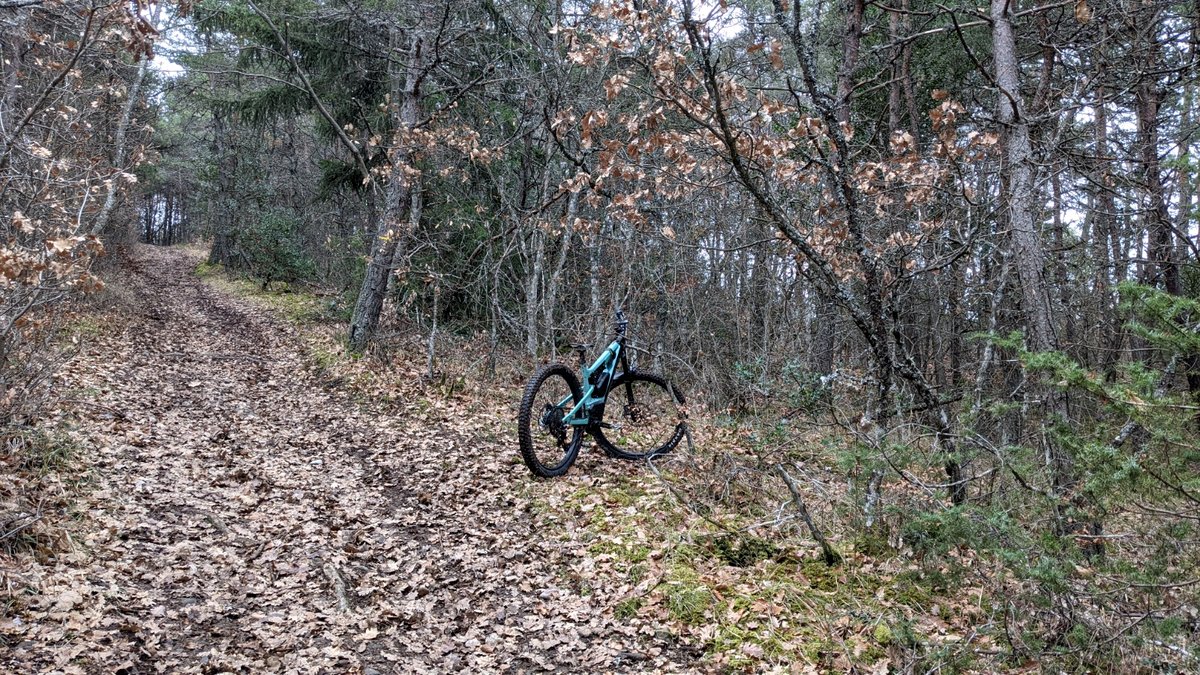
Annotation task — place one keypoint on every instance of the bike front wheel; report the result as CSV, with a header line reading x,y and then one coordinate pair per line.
x,y
647,417
549,445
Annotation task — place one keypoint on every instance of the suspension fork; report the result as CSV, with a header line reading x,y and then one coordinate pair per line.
x,y
625,369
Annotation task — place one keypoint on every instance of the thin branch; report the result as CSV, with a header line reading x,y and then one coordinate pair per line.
x,y
6,150
830,556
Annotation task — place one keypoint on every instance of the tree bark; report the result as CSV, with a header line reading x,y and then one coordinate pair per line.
x,y
1104,237
560,264
1025,237
227,162
119,149
824,337
1021,193
594,271
532,283
398,198
1156,217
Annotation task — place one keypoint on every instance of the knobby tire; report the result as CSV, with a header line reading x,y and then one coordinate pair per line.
x,y
536,427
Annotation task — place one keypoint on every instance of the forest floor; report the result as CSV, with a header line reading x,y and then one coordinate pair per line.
x,y
222,488
242,513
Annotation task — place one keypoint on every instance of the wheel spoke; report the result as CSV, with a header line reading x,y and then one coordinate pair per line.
x,y
648,421
548,444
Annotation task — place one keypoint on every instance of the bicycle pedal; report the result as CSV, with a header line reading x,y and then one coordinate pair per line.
x,y
605,425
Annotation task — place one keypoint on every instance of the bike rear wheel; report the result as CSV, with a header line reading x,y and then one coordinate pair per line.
x,y
549,446
646,416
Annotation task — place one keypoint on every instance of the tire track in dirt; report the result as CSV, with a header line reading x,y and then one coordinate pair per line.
x,y
245,519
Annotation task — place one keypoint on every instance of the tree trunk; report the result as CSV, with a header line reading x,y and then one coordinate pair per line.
x,y
560,264
227,163
1021,193
1026,240
594,281
532,283
118,162
119,150
1104,238
398,197
1156,217
894,93
824,337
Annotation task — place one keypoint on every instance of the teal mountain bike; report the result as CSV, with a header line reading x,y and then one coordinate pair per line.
x,y
559,408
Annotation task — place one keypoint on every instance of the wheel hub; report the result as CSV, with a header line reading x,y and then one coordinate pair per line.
x,y
633,412
552,421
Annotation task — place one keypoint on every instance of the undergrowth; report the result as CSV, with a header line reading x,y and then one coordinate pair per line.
x,y
43,476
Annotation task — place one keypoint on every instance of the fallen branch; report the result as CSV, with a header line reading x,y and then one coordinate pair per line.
x,y
99,406
830,556
32,519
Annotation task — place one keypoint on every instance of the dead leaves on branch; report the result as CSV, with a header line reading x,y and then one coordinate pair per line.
x,y
691,122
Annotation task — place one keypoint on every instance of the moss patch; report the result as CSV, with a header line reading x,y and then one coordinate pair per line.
x,y
744,550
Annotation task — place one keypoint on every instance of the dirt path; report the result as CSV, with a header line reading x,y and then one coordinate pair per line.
x,y
245,519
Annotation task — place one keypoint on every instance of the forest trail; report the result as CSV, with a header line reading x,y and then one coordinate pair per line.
x,y
245,519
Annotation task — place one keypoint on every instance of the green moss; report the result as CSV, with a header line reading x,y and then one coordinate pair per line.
x,y
205,270
873,543
821,576
296,306
637,572
743,551
86,327
625,493
883,634
909,589
636,553
1169,627
685,554
688,602
323,358
627,551
627,609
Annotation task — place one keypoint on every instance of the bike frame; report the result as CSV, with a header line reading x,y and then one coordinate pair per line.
x,y
580,414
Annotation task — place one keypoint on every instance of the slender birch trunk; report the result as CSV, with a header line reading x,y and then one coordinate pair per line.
x,y
119,141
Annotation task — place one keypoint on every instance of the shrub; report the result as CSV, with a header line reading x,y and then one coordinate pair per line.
x,y
272,250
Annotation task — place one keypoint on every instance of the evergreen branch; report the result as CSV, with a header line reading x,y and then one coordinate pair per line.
x,y
308,87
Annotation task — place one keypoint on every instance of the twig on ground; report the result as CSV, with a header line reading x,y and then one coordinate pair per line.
x,y
830,556
31,520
